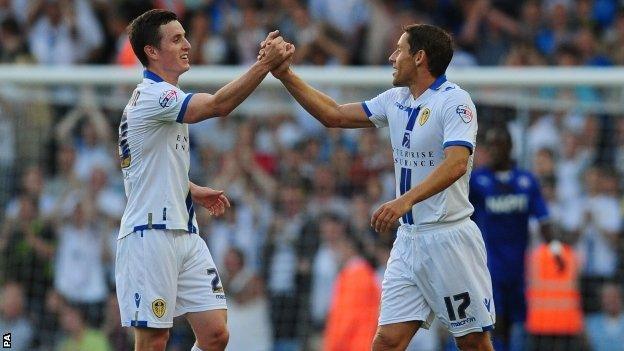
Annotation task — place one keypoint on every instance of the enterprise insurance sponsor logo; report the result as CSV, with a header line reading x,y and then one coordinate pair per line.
x,y
411,159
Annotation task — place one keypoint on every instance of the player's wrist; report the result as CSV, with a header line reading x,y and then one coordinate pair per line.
x,y
284,75
262,67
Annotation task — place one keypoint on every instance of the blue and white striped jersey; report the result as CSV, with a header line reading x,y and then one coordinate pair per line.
x,y
420,129
155,159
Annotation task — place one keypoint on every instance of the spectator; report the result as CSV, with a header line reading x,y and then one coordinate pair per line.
x,y
323,196
118,337
65,32
79,336
325,267
32,186
250,33
13,317
79,274
13,48
207,47
26,247
605,330
554,316
599,227
570,168
248,308
352,319
8,153
283,265
351,28
94,144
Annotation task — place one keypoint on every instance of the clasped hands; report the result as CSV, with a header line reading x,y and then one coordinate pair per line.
x,y
276,54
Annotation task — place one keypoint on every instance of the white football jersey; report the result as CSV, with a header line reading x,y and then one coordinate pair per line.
x,y
155,159
420,129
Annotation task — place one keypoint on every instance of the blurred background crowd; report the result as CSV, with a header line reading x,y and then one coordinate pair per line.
x,y
487,32
297,237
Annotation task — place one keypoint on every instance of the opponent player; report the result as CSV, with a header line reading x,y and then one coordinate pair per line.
x,y
438,262
505,198
161,270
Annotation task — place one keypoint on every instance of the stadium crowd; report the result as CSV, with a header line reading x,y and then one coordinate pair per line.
x,y
302,196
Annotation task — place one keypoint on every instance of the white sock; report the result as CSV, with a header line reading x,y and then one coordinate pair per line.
x,y
195,348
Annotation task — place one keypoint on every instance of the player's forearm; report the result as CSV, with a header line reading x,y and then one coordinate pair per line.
x,y
318,104
192,187
447,173
235,92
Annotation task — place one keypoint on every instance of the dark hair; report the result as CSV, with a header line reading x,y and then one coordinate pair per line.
x,y
437,44
10,25
145,30
358,245
500,132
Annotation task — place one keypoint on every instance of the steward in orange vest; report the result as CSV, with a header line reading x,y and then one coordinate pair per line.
x,y
554,312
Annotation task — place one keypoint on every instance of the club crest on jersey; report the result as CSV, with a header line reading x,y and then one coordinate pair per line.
x,y
465,113
424,116
406,139
167,98
159,307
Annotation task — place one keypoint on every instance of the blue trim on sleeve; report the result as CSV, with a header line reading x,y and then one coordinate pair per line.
x,y
153,76
140,324
438,82
185,103
368,112
458,143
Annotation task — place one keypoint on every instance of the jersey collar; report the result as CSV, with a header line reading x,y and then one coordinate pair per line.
x,y
152,76
438,82
435,86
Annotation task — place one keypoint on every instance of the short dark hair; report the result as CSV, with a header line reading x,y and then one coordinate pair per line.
x,y
437,44
145,30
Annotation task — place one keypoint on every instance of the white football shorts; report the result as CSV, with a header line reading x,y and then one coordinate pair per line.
x,y
440,271
161,274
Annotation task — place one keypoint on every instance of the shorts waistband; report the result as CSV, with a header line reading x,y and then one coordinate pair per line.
x,y
433,227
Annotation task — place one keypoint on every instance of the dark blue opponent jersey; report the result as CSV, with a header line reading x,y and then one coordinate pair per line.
x,y
503,203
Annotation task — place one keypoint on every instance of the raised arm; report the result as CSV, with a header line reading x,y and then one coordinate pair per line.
x,y
203,106
318,104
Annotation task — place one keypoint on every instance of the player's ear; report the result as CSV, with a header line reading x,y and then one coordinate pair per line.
x,y
150,51
420,57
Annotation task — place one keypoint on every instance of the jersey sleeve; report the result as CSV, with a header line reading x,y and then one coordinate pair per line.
x,y
460,121
377,108
166,103
537,205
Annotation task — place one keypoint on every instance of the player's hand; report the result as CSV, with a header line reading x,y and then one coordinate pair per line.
x,y
389,213
213,200
274,51
280,71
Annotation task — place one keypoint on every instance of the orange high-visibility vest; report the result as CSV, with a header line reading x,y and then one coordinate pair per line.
x,y
553,297
352,319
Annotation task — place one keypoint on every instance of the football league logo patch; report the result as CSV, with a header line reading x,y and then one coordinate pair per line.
x,y
167,98
465,113
424,116
159,307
